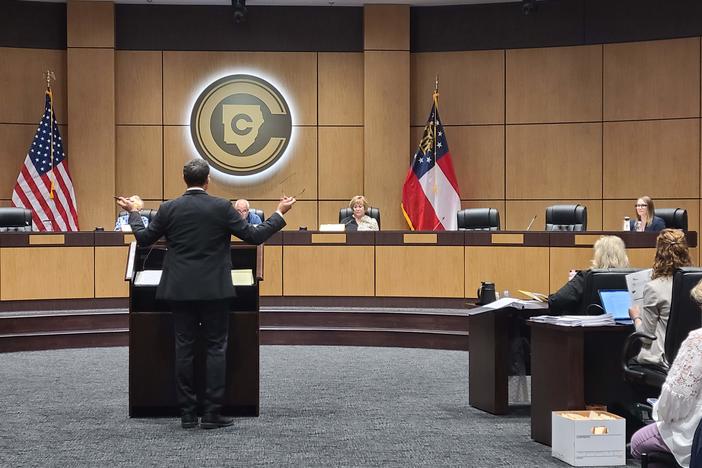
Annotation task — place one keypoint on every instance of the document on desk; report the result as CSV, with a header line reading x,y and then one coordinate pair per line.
x,y
635,283
508,302
575,320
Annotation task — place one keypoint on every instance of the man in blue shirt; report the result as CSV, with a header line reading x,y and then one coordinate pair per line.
x,y
122,223
242,206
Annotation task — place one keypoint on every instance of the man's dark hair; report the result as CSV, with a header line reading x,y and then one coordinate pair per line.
x,y
195,172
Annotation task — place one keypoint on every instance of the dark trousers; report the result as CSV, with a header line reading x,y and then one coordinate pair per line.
x,y
210,321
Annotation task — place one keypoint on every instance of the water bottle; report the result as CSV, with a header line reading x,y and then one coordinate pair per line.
x,y
626,226
505,293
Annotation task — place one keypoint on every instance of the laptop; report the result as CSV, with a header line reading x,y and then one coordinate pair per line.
x,y
616,302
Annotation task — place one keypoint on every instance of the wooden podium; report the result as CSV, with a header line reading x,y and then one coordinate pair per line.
x,y
151,340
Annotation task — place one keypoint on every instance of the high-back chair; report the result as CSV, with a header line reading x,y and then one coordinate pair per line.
x,y
601,278
372,212
146,213
479,219
684,317
674,218
15,219
566,218
258,212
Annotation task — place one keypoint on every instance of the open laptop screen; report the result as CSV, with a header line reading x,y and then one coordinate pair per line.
x,y
616,302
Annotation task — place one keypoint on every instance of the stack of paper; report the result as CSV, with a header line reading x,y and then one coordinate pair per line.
x,y
575,320
509,302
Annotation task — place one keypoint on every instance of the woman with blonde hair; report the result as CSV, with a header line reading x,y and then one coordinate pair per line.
x,y
359,220
678,411
671,253
610,252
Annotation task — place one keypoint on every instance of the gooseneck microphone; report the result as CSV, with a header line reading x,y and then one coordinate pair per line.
x,y
531,222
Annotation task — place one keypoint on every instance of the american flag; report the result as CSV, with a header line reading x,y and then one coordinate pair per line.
x,y
430,195
44,183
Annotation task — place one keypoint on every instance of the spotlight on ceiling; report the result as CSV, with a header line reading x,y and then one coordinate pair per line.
x,y
239,10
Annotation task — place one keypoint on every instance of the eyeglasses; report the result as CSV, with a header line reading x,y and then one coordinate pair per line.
x,y
641,205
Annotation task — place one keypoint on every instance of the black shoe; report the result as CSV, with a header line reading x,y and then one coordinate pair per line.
x,y
213,421
188,420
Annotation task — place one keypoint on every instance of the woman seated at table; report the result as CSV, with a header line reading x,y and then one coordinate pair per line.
x,y
646,219
671,253
610,252
679,408
359,220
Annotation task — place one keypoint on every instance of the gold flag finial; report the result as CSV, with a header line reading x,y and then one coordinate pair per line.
x,y
49,76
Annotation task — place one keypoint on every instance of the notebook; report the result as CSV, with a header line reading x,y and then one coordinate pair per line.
x,y
616,302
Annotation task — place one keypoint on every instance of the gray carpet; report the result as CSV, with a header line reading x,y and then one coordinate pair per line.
x,y
320,406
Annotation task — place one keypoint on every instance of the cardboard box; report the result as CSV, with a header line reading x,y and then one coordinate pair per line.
x,y
588,440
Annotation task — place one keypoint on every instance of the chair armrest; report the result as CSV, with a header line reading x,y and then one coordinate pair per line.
x,y
629,343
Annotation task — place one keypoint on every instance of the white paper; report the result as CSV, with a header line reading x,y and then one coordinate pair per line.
x,y
332,227
147,278
508,302
635,283
575,320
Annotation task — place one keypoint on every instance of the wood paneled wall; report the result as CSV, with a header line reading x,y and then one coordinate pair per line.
x,y
599,125
595,124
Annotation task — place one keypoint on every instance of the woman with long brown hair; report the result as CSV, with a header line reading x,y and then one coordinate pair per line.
x,y
671,253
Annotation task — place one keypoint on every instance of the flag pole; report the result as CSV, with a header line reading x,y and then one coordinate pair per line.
x,y
49,76
435,98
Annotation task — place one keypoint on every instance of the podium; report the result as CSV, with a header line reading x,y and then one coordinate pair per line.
x,y
151,338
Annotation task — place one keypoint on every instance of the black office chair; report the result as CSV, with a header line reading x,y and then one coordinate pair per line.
x,y
675,218
146,213
15,219
372,212
684,317
696,455
566,218
258,212
660,459
479,219
601,278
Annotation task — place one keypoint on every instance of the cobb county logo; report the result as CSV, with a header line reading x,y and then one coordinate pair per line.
x,y
241,124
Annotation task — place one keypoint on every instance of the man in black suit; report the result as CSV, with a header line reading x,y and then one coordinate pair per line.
x,y
196,280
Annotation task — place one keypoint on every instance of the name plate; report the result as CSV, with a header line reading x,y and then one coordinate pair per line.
x,y
47,239
507,238
329,238
419,238
586,239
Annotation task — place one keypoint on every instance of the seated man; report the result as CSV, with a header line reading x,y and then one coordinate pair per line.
x,y
242,206
123,218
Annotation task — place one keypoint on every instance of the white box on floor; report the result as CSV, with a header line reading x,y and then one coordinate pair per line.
x,y
581,438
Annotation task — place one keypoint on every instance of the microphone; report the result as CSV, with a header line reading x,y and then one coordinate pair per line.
x,y
531,222
437,224
143,264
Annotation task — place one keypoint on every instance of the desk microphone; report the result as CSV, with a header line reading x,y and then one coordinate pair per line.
x,y
531,222
437,224
143,264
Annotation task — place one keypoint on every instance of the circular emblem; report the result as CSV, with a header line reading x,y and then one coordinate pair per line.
x,y
241,124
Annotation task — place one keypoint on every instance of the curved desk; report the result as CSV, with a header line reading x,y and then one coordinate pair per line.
x,y
75,270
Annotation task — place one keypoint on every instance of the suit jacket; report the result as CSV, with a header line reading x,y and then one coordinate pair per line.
x,y
657,294
568,298
198,229
657,224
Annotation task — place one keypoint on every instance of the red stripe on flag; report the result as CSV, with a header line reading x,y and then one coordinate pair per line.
x,y
416,205
27,204
67,191
57,203
39,196
446,166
